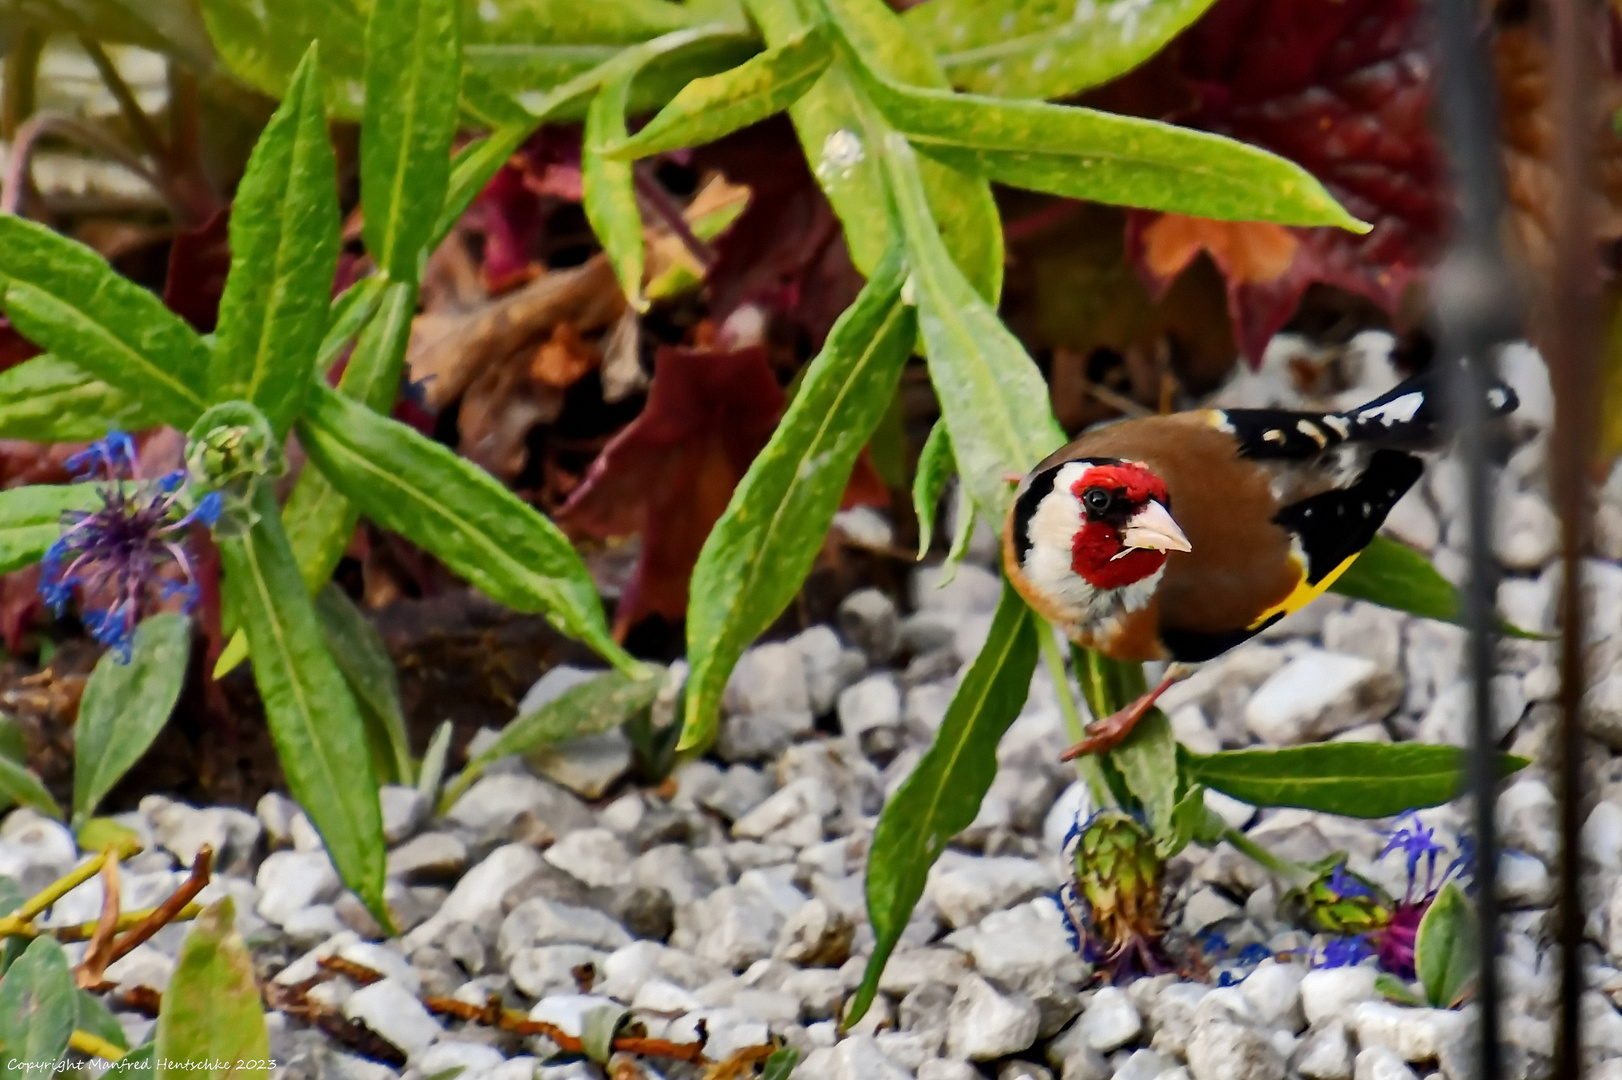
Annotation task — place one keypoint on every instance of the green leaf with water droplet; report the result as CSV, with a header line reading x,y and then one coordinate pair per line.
x,y
1046,48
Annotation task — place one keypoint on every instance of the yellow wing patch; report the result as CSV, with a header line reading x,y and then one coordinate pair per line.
x,y
1303,593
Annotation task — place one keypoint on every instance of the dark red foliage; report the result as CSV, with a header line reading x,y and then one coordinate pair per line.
x,y
510,211
785,252
14,348
669,474
199,260
1343,88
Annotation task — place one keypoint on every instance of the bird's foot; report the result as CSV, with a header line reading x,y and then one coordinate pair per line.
x,y
1108,733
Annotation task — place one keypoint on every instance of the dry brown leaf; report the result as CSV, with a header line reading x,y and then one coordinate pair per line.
x,y
563,359
449,352
1252,252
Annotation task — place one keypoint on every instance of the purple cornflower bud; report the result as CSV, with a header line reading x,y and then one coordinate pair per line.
x,y
117,556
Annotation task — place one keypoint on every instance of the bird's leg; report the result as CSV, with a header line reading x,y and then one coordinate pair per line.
x,y
1107,733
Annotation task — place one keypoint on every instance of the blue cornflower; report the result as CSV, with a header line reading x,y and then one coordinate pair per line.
x,y
1345,884
1416,841
1344,952
117,555
1215,943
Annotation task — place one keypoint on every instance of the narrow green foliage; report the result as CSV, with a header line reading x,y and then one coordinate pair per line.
x,y
1147,761
993,399
1362,780
1447,949
313,719
609,188
348,316
432,771
707,109
48,399
38,1006
471,169
780,1066
18,783
454,509
935,467
369,670
1046,48
31,519
413,77
211,1010
942,795
64,297
124,707
96,1019
284,244
1394,575
761,549
1086,154
590,708
1394,989
262,43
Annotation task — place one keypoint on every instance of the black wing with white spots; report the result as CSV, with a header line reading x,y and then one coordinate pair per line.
x,y
1409,417
1334,525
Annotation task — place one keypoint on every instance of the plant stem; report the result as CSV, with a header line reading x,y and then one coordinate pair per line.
x,y
17,921
141,125
95,1045
17,96
1293,873
1087,765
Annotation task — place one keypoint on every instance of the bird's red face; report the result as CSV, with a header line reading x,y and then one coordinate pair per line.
x,y
1126,527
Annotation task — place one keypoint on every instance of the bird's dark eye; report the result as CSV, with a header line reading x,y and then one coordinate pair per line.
x,y
1096,500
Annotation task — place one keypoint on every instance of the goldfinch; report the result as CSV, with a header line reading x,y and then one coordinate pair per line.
x,y
1178,537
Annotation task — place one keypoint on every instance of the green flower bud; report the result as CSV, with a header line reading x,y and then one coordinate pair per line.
x,y
1120,876
1338,901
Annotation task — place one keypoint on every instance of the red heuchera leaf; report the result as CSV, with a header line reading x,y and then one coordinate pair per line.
x,y
14,348
510,211
199,260
786,252
669,473
1343,88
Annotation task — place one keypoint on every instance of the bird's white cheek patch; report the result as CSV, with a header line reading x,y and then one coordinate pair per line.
x,y
1051,532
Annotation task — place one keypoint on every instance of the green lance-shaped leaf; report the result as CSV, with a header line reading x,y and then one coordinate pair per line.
x,y
611,22
608,188
319,520
211,1010
935,467
96,1019
18,783
1147,761
31,519
262,43
471,169
942,795
1447,948
1394,575
313,719
369,671
1046,48
348,315
454,509
591,708
707,109
284,246
64,297
125,705
761,549
1086,154
1363,780
48,399
413,77
38,1006
993,399
838,130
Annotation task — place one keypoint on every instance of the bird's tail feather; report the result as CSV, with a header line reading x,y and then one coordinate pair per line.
x,y
1414,414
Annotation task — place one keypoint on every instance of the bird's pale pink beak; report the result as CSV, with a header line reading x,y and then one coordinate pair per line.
x,y
1153,528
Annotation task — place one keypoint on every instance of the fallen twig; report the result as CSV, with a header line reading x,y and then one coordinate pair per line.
x,y
99,954
165,913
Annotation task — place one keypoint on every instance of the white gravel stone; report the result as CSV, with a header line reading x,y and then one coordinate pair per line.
x,y
539,921
496,800
1318,694
549,969
1208,907
1225,1051
553,684
857,1057
34,850
984,1023
1325,1054
1274,992
871,704
1330,993
477,897
1527,532
1448,720
432,856
768,703
1380,1063
829,666
587,766
142,966
404,811
290,881
966,888
868,619
817,935
1415,1034
946,1069
1523,881
1109,1021
1143,1065
1021,947
594,856
395,1014
797,799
